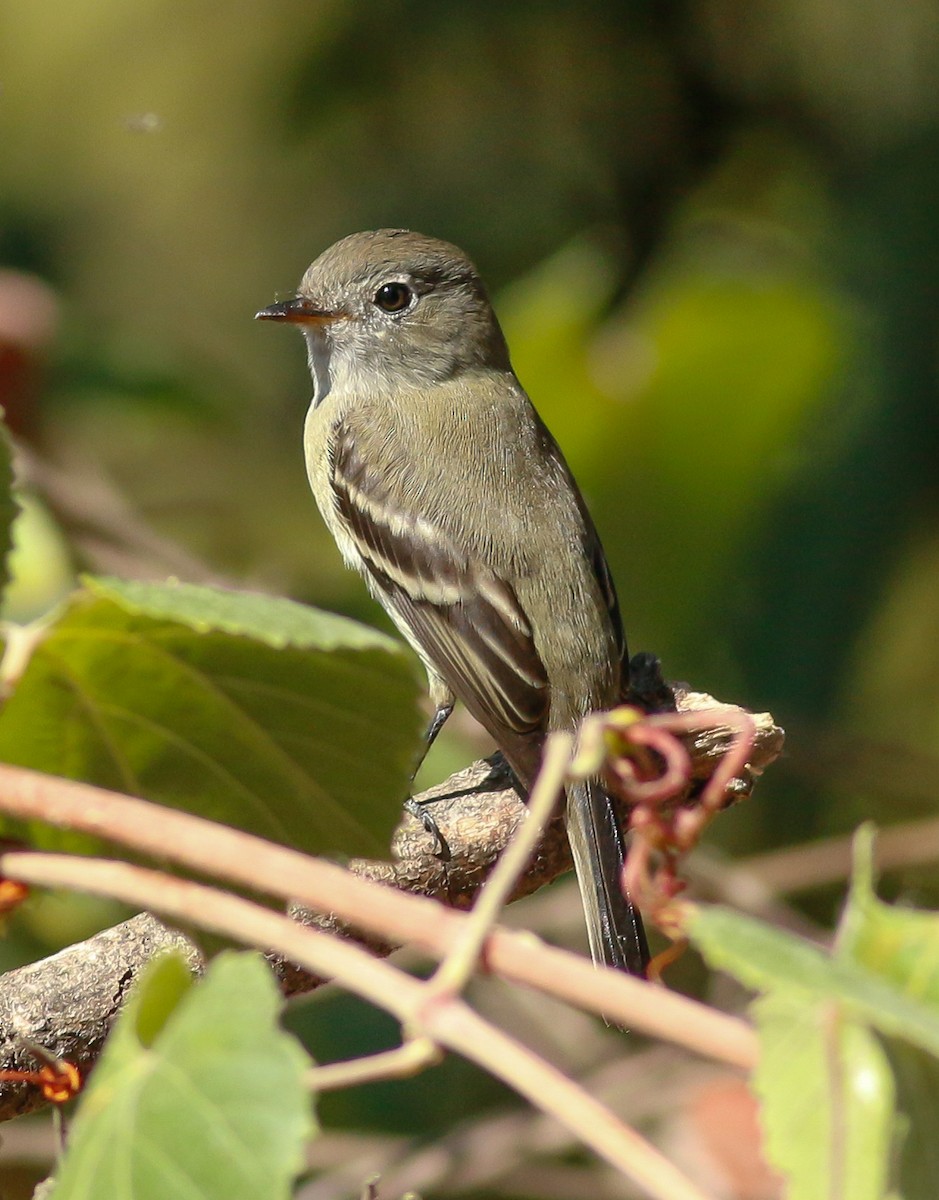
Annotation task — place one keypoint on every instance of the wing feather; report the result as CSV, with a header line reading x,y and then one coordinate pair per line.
x,y
461,617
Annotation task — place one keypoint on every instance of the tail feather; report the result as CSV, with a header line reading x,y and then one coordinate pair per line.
x,y
614,926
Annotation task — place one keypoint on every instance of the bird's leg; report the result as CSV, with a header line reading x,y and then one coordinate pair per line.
x,y
416,807
437,722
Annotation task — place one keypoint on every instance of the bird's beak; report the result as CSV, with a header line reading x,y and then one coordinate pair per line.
x,y
298,311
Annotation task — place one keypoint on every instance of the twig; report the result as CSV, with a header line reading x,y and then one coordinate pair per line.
x,y
484,1153
632,1003
400,1063
715,876
800,868
460,961
447,1021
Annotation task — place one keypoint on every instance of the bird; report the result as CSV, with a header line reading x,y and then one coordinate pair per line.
x,y
443,487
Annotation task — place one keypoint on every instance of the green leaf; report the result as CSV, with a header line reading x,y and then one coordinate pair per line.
x,y
251,710
826,1083
895,943
827,1099
167,982
902,946
8,506
917,1079
215,1108
768,959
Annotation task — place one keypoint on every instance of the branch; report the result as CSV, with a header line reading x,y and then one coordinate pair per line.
x,y
488,1152
419,1006
802,868
66,1003
476,819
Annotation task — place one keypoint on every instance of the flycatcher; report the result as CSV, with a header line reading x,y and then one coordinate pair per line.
x,y
443,487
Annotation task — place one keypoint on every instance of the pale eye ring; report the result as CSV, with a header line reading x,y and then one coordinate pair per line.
x,y
393,297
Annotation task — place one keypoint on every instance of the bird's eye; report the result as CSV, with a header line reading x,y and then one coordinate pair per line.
x,y
393,297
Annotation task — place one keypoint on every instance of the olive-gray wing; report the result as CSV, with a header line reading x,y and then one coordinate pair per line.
x,y
466,620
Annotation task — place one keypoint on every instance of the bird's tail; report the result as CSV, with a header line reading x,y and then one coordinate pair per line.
x,y
614,926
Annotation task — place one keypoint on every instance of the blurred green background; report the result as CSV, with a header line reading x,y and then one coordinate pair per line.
x,y
710,229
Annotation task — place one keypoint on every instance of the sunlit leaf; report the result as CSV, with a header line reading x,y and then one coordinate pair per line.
x,y
209,1105
768,959
826,1094
896,943
251,710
